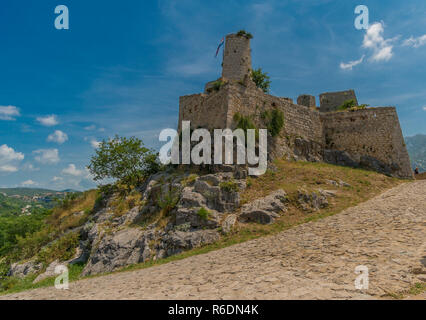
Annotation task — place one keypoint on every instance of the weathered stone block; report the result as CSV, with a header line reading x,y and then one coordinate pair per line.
x,y
330,101
306,100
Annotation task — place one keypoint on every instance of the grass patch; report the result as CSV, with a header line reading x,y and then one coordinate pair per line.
x,y
229,186
14,285
203,213
418,288
121,204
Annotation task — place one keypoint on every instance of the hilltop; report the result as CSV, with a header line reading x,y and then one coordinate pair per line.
x,y
178,213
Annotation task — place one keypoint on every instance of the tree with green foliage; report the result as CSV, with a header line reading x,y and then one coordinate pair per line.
x,y
261,79
124,159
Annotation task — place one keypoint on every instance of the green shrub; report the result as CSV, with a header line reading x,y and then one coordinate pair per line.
x,y
261,79
61,249
243,33
350,105
167,202
347,105
217,85
203,213
274,121
229,186
243,122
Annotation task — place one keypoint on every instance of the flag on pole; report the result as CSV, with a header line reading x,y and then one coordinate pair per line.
x,y
220,45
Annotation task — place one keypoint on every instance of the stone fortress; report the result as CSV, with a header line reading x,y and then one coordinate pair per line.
x,y
369,138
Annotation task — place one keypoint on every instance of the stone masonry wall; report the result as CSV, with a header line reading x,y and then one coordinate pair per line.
x,y
204,110
370,138
330,101
236,57
301,137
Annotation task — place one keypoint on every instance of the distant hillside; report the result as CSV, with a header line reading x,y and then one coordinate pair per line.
x,y
17,201
29,192
416,147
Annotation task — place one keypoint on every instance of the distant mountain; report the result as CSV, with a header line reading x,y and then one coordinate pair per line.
x,y
416,147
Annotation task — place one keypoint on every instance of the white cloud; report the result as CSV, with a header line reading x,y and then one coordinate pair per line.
x,y
73,171
30,167
57,179
424,108
374,40
58,136
28,183
48,121
8,154
349,65
9,112
95,144
47,156
8,168
90,128
9,158
415,42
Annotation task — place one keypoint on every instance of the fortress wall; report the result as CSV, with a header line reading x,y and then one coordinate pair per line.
x,y
370,138
302,135
299,121
204,111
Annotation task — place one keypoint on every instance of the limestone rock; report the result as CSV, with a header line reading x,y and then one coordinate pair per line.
x,y
22,270
178,241
113,251
228,223
311,201
50,271
265,210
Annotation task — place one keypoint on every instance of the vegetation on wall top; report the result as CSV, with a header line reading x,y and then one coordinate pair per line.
x,y
243,33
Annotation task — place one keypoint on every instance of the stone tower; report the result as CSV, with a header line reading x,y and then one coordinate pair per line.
x,y
236,57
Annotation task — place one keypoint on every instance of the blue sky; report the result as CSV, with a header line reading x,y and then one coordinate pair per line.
x,y
122,66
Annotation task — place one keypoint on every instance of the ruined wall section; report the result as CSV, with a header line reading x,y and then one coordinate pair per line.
x,y
204,110
369,138
330,101
236,58
302,136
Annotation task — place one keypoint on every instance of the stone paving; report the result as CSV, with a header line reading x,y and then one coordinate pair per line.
x,y
316,260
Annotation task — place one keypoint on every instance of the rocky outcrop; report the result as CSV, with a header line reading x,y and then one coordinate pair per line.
x,y
312,201
198,205
21,270
117,250
49,272
265,210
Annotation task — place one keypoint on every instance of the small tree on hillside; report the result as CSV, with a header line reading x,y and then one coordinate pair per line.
x,y
125,159
261,79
